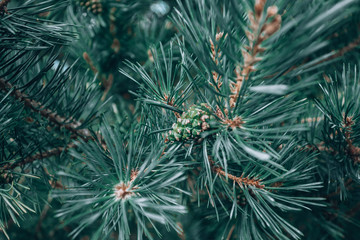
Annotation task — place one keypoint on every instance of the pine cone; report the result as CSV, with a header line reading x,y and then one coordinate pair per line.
x,y
191,123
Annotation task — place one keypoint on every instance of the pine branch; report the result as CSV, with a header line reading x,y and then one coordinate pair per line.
x,y
46,113
353,211
38,156
341,52
352,151
134,180
106,82
257,34
338,53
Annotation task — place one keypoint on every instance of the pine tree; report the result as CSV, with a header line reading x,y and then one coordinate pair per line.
x,y
245,125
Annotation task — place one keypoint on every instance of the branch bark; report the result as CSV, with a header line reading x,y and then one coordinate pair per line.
x,y
341,51
242,181
46,113
38,156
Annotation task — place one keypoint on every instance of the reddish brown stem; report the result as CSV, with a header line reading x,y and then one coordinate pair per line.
x,y
106,82
342,51
242,181
3,6
339,53
256,35
38,156
353,151
231,232
353,211
46,113
347,184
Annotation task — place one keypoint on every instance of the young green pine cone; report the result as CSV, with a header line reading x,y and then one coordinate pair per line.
x,y
191,123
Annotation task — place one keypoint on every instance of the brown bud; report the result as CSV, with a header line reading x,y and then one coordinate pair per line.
x,y
253,23
249,35
259,7
259,49
204,117
219,36
115,45
272,11
204,126
272,27
86,57
151,57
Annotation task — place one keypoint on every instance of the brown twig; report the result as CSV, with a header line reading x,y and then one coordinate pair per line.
x,y
46,113
242,181
341,51
234,123
311,120
38,156
256,35
231,232
353,211
181,234
347,184
106,82
353,151
170,102
90,63
43,215
215,56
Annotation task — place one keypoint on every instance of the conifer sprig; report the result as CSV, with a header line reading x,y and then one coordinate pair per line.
x,y
249,146
41,93
167,86
339,135
225,141
132,181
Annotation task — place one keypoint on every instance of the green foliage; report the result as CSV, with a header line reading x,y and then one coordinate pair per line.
x,y
234,146
245,124
339,134
129,182
41,95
